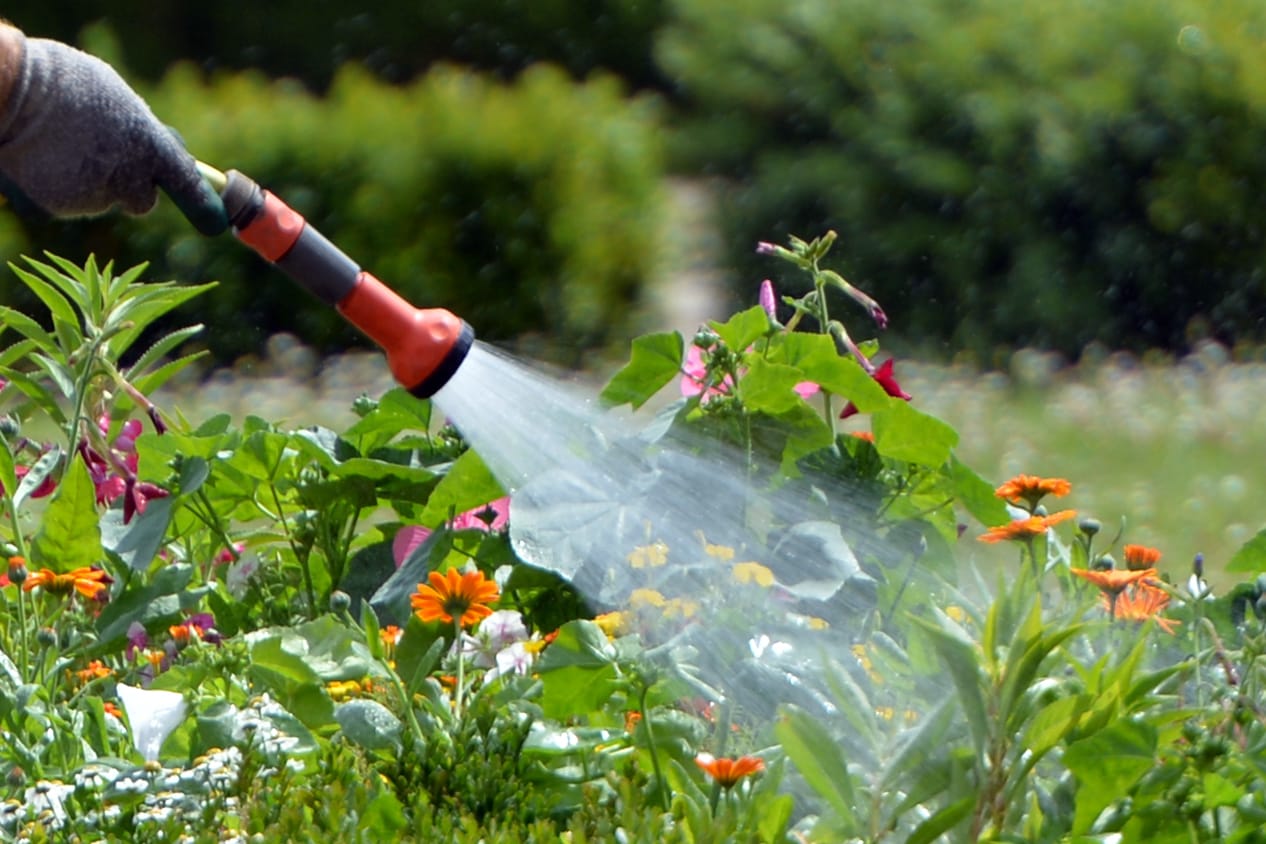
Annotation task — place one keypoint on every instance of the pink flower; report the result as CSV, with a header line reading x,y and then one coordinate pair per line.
x,y
45,488
490,518
768,300
695,371
885,378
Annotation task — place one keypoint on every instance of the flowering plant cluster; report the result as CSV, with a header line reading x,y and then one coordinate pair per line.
x,y
225,630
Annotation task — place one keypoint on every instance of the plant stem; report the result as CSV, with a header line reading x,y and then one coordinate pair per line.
x,y
660,783
461,670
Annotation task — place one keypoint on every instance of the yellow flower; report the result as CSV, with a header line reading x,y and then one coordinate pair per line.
x,y
885,712
639,598
454,595
751,572
956,613
340,690
816,623
611,623
680,607
652,556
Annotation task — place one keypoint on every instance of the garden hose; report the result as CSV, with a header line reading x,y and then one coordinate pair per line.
x,y
424,347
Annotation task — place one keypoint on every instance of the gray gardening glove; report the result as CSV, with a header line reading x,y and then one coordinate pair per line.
x,y
76,140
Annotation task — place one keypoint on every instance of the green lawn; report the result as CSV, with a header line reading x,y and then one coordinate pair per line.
x,y
1174,449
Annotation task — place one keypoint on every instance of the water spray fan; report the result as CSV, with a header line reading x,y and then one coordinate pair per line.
x,y
424,346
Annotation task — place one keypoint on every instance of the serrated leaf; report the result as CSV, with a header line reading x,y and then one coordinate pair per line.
x,y
743,329
655,360
69,537
159,348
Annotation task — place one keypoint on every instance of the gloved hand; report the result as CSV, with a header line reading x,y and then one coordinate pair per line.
x,y
76,140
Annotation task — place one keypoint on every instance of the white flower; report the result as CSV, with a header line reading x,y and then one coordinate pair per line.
x,y
515,659
154,714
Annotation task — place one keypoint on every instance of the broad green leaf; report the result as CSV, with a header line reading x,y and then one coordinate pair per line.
x,y
977,495
655,360
820,760
289,677
369,724
69,537
261,455
816,356
903,433
958,656
577,670
138,542
743,329
579,643
1107,765
467,485
1251,557
770,387
383,818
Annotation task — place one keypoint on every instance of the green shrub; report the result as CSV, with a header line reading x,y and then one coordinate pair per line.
x,y
528,208
999,172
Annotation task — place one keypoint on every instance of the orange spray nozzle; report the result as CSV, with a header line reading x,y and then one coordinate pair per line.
x,y
424,346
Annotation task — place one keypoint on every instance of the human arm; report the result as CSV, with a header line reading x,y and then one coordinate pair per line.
x,y
76,140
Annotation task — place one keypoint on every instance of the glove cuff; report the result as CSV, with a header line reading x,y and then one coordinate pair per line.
x,y
15,77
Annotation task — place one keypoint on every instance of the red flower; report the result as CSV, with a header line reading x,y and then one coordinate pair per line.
x,y
727,772
885,378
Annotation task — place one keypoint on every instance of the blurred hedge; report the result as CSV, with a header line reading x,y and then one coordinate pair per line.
x,y
396,39
528,209
999,171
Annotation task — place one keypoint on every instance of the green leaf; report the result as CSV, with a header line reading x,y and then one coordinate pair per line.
x,y
1251,557
159,349
743,329
369,724
958,656
815,355
8,472
289,677
467,485
903,433
36,392
69,537
770,387
159,603
942,821
820,760
1107,765
382,818
65,321
577,670
655,360
977,495
138,542
10,318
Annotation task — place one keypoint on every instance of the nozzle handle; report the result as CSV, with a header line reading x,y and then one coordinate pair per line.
x,y
424,346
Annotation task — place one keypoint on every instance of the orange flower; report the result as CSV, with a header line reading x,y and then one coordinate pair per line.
x,y
1113,581
112,709
183,634
390,636
1031,489
454,595
1141,602
631,719
727,772
89,581
95,670
863,435
1141,557
1028,528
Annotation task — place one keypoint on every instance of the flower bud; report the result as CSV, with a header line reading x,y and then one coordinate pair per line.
x,y
364,405
15,778
340,601
1089,526
1104,563
17,570
46,637
9,427
705,338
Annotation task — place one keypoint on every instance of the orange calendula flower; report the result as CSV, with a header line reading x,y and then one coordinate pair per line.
x,y
112,709
1141,602
1031,489
726,771
89,582
1139,557
94,670
1113,581
390,636
455,595
1022,529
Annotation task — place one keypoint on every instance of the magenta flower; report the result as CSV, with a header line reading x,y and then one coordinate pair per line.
x,y
885,378
45,488
137,639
